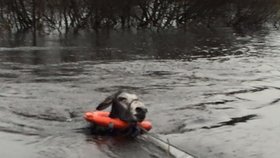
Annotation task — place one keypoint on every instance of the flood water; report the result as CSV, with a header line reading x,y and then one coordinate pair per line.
x,y
215,94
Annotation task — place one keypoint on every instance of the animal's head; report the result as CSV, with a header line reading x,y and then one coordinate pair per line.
x,y
125,106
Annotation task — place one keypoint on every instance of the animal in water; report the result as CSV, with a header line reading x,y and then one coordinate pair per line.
x,y
127,107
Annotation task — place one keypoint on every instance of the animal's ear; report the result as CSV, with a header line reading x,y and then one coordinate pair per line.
x,y
105,104
108,101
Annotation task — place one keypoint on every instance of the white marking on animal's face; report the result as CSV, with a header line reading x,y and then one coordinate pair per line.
x,y
127,99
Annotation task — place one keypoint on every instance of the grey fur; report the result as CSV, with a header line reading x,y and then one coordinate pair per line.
x,y
125,106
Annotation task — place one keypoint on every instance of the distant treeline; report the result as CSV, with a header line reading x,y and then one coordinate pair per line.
x,y
74,15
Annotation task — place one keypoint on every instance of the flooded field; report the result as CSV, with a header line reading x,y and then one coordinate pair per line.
x,y
212,94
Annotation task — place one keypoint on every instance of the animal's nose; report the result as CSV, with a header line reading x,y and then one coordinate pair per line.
x,y
141,110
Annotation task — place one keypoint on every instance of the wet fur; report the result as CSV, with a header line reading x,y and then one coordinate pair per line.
x,y
125,106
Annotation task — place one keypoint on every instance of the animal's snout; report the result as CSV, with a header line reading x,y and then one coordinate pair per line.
x,y
141,110
140,113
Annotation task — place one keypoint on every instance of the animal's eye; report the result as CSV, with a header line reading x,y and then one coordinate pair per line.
x,y
121,99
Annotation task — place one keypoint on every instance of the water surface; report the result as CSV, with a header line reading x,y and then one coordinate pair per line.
x,y
213,94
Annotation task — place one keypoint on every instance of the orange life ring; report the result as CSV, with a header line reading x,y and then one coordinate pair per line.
x,y
102,118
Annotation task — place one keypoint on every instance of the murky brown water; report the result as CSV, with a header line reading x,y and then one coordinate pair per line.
x,y
213,95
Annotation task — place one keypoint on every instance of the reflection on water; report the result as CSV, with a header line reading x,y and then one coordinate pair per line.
x,y
125,46
213,94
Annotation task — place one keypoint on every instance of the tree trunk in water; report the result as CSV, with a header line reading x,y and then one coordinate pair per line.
x,y
34,22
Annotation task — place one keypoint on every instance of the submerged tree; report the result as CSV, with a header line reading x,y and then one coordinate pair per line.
x,y
74,15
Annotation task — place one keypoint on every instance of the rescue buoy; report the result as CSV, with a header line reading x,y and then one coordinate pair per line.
x,y
102,118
